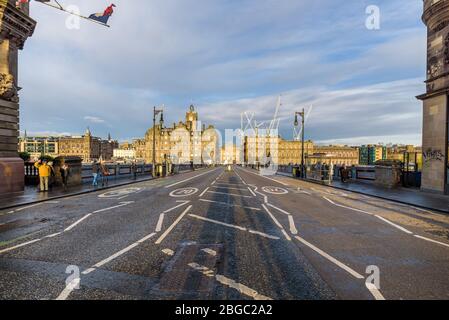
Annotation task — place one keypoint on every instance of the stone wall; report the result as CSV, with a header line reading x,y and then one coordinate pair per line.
x,y
434,144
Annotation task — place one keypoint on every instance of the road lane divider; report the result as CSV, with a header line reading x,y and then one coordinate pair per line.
x,y
204,192
74,284
229,194
277,223
69,228
291,221
159,222
374,291
258,174
330,258
188,179
252,192
234,226
431,240
346,207
225,204
166,233
247,291
393,224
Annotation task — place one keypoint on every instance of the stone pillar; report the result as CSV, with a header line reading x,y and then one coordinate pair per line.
x,y
15,27
435,100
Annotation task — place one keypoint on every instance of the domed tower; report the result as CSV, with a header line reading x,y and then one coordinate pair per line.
x,y
435,173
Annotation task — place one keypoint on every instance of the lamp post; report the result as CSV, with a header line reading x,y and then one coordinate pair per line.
x,y
302,114
155,113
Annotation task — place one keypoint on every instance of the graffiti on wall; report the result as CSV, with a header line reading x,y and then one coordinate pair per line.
x,y
433,155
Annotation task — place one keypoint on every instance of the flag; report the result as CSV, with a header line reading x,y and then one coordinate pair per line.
x,y
103,17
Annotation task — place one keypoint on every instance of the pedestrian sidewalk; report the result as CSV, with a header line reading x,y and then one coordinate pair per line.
x,y
409,196
31,195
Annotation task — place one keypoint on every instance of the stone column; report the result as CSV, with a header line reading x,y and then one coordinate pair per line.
x,y
15,27
435,100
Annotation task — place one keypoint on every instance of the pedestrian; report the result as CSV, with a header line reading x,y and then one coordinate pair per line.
x,y
343,173
95,173
134,170
104,174
64,170
44,174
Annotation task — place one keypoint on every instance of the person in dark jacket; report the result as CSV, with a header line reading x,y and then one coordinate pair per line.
x,y
64,170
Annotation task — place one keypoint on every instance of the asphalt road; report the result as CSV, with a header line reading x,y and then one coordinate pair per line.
x,y
214,234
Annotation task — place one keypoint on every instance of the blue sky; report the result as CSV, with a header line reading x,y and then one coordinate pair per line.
x,y
228,57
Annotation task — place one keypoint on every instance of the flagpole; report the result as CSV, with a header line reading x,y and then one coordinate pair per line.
x,y
61,8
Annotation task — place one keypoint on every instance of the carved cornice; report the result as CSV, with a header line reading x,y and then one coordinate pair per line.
x,y
15,24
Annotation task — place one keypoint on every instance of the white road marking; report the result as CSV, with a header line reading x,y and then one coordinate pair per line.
x,y
276,222
20,245
87,271
274,190
122,204
183,203
229,188
229,184
286,235
68,289
393,224
27,207
123,197
346,207
210,252
188,179
123,251
252,192
291,222
330,258
229,205
374,291
72,285
431,240
265,198
229,194
53,235
159,222
165,234
257,174
120,192
204,192
184,192
234,226
73,225
218,222
168,252
229,282
263,234
240,177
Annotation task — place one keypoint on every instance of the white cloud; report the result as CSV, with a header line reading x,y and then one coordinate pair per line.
x,y
227,56
93,119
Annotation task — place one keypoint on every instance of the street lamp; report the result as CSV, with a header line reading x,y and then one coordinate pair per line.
x,y
155,113
302,114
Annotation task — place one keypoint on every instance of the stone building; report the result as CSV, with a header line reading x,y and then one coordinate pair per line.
x,y
336,155
15,27
183,142
435,172
39,146
260,148
87,147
